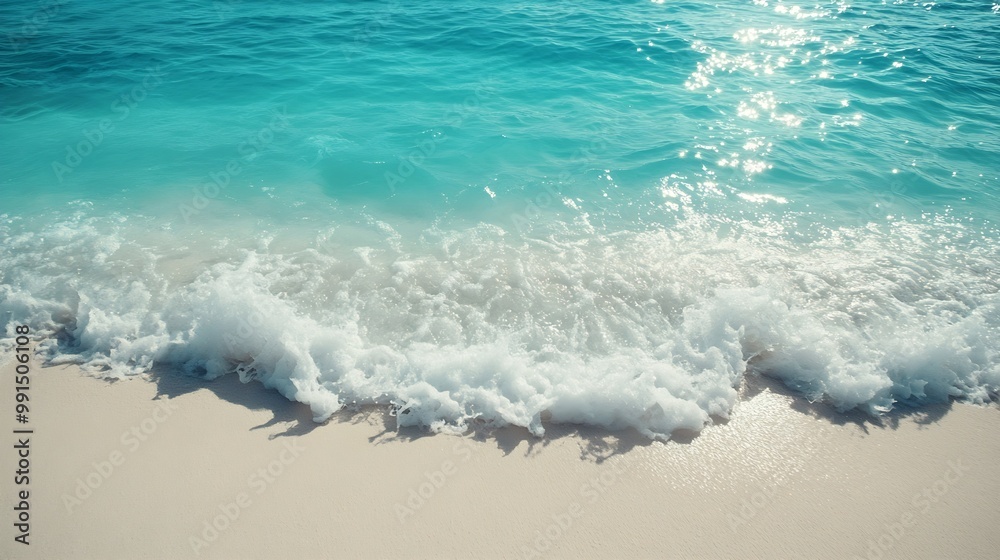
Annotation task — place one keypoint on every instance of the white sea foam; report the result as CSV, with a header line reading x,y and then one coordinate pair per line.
x,y
652,330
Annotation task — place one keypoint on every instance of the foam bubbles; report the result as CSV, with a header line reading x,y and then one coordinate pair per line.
x,y
652,330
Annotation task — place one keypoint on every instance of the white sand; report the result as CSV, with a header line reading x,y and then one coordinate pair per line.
x,y
779,480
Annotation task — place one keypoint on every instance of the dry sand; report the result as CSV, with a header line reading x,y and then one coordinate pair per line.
x,y
780,479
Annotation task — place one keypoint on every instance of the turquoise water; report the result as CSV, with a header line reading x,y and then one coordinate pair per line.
x,y
605,213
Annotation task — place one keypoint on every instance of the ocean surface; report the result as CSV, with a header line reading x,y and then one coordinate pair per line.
x,y
509,213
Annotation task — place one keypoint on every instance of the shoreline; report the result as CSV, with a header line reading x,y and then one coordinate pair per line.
x,y
177,467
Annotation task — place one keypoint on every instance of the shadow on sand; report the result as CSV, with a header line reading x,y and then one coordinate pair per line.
x,y
289,418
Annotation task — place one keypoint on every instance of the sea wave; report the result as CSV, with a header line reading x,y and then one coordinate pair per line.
x,y
652,330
